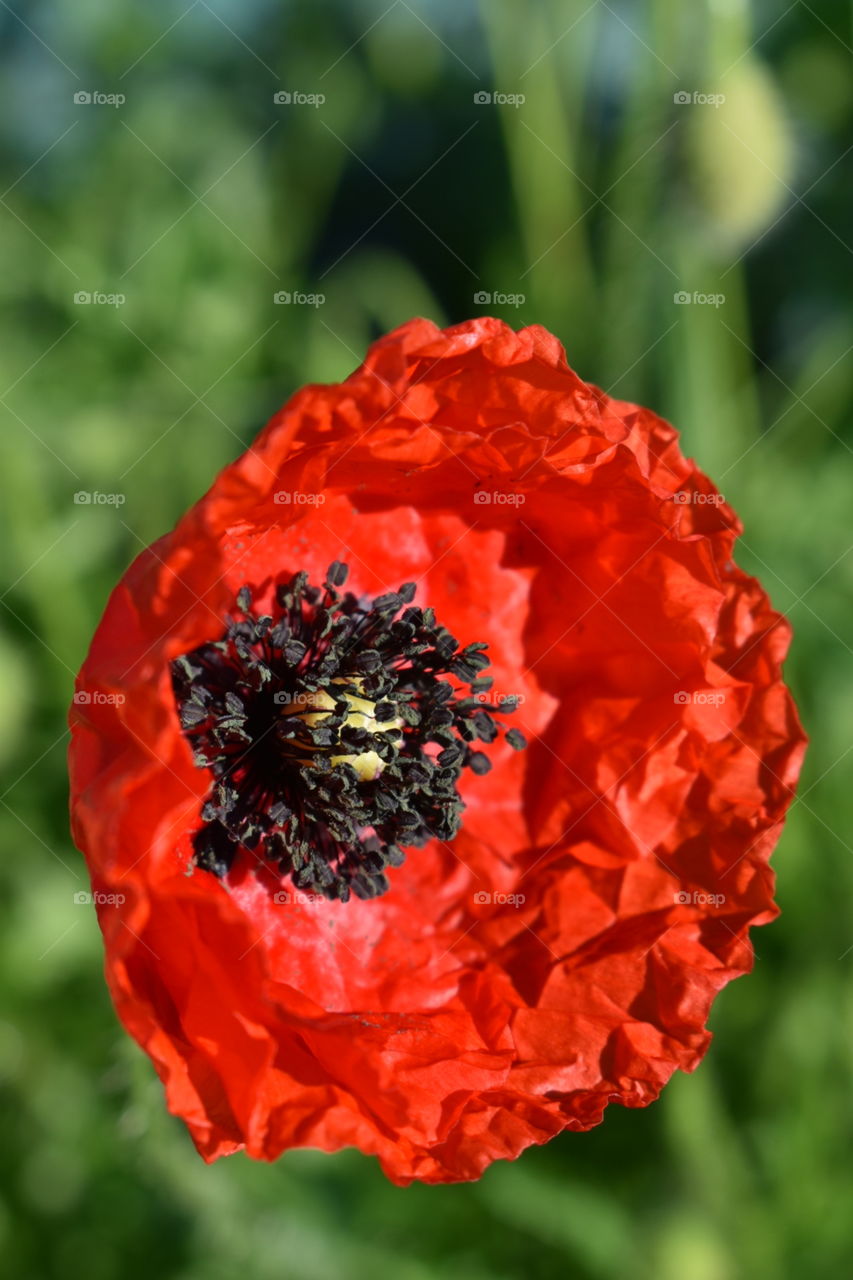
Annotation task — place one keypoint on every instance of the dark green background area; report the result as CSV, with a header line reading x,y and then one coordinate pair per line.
x,y
598,198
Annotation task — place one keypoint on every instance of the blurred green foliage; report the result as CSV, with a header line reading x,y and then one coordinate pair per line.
x,y
598,198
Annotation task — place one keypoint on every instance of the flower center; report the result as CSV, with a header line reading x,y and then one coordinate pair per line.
x,y
334,737
360,713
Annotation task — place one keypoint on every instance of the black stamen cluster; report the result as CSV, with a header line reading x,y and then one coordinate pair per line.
x,y
277,793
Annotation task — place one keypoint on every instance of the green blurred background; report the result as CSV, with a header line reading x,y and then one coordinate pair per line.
x,y
598,198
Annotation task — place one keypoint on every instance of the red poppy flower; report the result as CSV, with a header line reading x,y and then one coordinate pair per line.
x,y
326,923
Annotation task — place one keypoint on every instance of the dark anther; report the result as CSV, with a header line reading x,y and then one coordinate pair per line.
x,y
333,734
